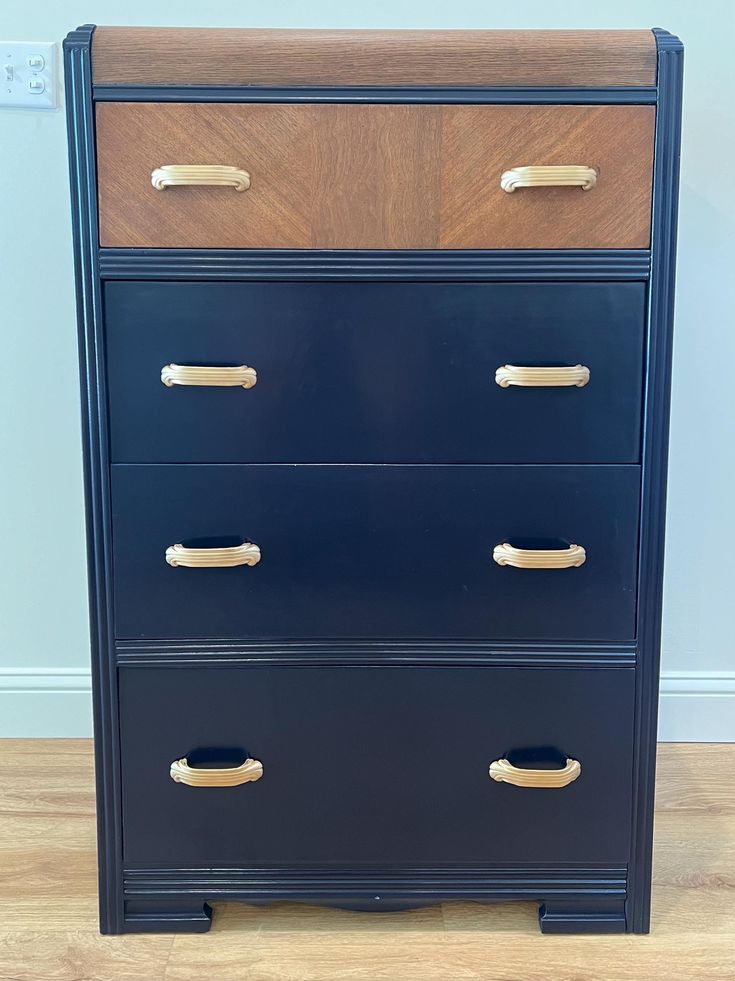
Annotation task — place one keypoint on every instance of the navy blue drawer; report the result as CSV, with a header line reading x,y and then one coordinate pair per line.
x,y
375,766
375,551
375,372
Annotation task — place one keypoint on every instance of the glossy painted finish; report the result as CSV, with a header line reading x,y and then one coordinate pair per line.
x,y
375,372
377,265
375,551
655,456
502,95
364,767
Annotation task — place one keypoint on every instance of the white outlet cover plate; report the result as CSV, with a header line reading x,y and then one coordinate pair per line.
x,y
23,85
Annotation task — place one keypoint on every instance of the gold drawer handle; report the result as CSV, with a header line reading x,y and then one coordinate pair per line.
x,y
584,177
213,558
514,374
212,175
233,776
241,376
531,558
504,772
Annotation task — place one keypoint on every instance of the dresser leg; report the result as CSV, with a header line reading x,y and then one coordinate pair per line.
x,y
167,916
582,916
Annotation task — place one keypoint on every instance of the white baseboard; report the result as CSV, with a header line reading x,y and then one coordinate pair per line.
x,y
45,702
695,706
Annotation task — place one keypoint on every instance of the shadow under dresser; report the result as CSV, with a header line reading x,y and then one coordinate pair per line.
x,y
375,342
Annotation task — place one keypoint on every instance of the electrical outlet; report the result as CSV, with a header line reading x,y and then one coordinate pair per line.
x,y
28,74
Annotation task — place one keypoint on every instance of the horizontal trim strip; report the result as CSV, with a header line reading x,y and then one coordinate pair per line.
x,y
23,679
395,883
636,95
282,264
48,679
336,654
698,683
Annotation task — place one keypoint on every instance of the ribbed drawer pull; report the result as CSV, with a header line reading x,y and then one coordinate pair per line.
x,y
211,175
514,374
242,376
505,772
213,558
569,176
531,558
233,776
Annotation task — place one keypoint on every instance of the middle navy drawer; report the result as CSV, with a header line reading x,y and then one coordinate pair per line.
x,y
375,551
375,372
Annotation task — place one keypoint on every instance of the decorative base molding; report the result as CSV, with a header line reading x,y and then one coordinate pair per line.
x,y
572,899
172,915
695,706
602,916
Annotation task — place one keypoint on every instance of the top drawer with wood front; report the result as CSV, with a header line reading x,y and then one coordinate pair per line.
x,y
376,176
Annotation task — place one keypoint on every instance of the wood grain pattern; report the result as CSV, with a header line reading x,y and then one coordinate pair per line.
x,y
373,176
481,142
187,56
50,931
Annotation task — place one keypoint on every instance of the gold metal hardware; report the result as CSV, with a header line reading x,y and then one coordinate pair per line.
x,y
504,772
233,776
528,558
213,558
185,374
572,176
213,175
512,374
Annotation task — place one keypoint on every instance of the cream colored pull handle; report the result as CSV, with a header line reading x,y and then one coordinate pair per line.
x,y
531,558
574,176
212,175
513,374
504,772
241,376
233,776
213,558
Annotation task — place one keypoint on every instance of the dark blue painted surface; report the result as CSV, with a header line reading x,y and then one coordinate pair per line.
x,y
655,455
365,767
379,265
616,94
375,551
375,372
90,329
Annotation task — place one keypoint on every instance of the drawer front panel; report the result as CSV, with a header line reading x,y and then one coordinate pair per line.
x,y
375,372
375,551
373,176
375,766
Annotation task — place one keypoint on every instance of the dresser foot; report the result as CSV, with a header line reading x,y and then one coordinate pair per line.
x,y
167,916
590,916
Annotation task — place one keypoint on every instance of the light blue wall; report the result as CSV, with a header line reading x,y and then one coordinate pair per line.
x,y
43,630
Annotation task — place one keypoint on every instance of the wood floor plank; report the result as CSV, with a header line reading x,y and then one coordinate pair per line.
x,y
80,955
499,957
695,776
48,904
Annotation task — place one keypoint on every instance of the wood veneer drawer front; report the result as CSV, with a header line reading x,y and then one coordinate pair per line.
x,y
375,372
374,176
374,551
375,766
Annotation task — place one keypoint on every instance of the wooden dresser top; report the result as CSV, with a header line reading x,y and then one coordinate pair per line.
x,y
234,56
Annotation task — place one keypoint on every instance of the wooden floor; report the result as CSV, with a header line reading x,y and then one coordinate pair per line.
x,y
48,927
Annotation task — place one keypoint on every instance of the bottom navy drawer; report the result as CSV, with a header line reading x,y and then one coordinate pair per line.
x,y
376,766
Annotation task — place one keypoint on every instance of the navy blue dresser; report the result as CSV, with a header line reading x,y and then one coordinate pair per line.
x,y
375,343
